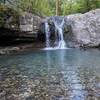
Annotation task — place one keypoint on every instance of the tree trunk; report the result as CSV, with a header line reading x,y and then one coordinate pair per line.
x,y
57,7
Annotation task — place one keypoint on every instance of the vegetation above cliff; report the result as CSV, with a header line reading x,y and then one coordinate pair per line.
x,y
14,8
8,16
52,7
49,7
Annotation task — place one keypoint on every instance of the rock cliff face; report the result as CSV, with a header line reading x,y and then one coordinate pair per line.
x,y
80,30
85,28
29,23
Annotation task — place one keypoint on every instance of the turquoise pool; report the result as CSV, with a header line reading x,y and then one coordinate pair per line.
x,y
70,74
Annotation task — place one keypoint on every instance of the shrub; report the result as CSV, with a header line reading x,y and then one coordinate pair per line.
x,y
9,18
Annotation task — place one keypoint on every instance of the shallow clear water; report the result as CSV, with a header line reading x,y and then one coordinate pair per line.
x,y
70,74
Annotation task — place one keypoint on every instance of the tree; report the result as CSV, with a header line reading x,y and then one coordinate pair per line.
x,y
38,7
8,15
57,7
52,7
82,6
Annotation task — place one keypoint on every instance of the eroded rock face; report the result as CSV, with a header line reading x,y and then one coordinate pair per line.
x,y
29,22
85,28
80,30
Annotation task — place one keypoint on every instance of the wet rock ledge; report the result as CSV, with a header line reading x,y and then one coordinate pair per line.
x,y
21,48
14,49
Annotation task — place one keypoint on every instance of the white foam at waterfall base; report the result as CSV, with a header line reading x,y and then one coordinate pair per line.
x,y
54,48
61,44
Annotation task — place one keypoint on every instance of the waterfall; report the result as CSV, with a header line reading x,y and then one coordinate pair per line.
x,y
60,43
47,32
59,27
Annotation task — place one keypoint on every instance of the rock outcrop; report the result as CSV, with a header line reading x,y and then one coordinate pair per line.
x,y
80,30
85,28
23,30
29,23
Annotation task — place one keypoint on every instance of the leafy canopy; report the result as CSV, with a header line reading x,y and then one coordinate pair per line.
x,y
48,7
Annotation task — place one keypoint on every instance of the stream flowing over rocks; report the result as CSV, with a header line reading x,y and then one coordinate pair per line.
x,y
80,30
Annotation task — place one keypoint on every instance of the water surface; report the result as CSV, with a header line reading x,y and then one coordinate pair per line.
x,y
69,74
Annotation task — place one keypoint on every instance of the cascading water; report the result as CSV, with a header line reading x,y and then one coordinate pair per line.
x,y
60,43
47,31
59,27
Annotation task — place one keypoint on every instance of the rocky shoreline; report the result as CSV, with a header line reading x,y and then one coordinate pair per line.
x,y
20,48
13,49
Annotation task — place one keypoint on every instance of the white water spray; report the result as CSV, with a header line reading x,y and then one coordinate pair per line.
x,y
47,31
59,27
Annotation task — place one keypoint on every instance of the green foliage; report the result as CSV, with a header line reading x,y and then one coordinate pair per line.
x,y
79,6
87,5
8,15
48,7
38,7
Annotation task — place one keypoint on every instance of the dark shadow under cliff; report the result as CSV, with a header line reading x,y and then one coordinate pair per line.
x,y
10,37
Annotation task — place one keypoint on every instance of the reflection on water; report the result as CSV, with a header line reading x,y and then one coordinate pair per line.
x,y
51,75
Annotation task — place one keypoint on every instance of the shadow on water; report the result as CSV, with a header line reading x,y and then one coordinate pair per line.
x,y
70,74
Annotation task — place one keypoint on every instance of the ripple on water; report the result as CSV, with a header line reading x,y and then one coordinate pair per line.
x,y
52,77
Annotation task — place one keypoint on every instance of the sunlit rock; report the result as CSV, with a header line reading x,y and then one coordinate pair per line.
x,y
80,30
85,28
29,22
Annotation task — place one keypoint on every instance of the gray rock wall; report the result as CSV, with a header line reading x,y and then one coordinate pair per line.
x,y
29,23
81,29
85,28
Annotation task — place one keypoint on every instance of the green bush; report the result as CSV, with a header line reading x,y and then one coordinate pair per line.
x,y
8,16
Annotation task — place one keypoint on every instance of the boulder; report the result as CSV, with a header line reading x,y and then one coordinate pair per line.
x,y
29,22
85,29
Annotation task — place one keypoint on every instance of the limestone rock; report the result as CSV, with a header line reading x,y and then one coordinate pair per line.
x,y
80,30
85,28
29,22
